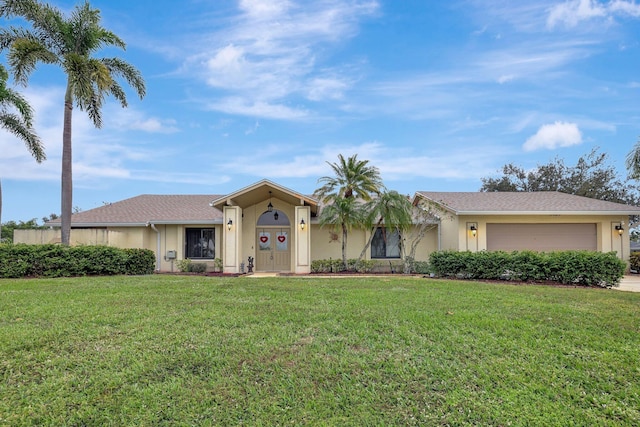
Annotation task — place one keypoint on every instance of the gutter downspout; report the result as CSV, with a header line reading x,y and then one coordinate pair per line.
x,y
439,235
158,259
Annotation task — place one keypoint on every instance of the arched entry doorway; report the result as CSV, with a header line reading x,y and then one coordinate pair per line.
x,y
273,234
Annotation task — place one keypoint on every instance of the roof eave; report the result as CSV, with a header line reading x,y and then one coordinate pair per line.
x,y
140,224
554,213
223,199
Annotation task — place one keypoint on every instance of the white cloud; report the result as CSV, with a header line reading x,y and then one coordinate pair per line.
x,y
573,12
264,9
97,153
326,88
570,13
246,107
123,119
552,136
154,125
625,7
394,163
253,129
506,78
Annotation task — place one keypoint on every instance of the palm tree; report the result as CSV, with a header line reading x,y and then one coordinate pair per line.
x,y
353,178
342,214
391,210
16,116
354,181
68,42
633,161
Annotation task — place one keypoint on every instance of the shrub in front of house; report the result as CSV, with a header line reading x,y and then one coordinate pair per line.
x,y
65,261
188,266
634,261
198,267
568,267
327,266
140,261
336,266
365,266
420,267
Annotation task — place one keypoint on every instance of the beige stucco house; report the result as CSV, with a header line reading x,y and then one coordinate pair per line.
x,y
539,221
278,227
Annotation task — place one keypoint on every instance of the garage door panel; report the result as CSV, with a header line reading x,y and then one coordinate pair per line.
x,y
541,237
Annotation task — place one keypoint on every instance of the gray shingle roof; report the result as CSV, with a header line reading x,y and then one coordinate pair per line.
x,y
158,209
500,203
195,209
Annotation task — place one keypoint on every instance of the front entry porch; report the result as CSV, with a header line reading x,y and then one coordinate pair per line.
x,y
270,224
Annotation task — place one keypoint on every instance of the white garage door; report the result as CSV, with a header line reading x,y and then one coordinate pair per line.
x,y
541,237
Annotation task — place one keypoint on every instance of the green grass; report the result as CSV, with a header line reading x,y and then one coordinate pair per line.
x,y
188,350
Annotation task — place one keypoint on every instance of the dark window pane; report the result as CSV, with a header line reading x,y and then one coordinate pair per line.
x,y
385,244
393,244
199,243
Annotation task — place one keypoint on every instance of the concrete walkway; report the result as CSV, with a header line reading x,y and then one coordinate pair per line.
x,y
630,283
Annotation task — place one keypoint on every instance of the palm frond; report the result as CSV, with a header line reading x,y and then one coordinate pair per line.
x,y
633,161
132,75
13,124
25,54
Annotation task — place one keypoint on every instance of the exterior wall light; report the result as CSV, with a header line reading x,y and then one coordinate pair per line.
x,y
474,230
270,206
620,229
229,224
302,224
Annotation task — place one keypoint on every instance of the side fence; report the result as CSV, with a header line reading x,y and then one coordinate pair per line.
x,y
78,237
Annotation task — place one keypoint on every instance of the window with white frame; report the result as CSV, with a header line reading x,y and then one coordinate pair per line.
x,y
385,243
200,243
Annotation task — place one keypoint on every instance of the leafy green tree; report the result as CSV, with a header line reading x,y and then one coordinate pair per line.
x,y
426,216
390,210
16,117
70,43
590,177
8,227
352,178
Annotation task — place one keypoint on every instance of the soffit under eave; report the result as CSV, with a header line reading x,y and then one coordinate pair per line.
x,y
259,193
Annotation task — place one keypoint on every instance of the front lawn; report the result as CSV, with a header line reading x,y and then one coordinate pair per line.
x,y
190,350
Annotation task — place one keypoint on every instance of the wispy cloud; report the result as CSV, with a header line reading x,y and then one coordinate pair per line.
x,y
131,118
273,50
394,164
97,153
571,13
248,107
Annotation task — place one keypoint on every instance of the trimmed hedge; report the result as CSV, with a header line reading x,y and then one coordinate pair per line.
x,y
366,266
568,267
335,266
23,260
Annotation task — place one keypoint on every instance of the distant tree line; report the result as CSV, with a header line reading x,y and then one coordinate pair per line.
x,y
592,176
6,235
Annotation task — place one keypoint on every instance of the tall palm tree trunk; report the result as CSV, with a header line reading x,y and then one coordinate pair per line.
x,y
67,176
344,246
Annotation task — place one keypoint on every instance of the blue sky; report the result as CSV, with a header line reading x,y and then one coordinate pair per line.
x,y
436,94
